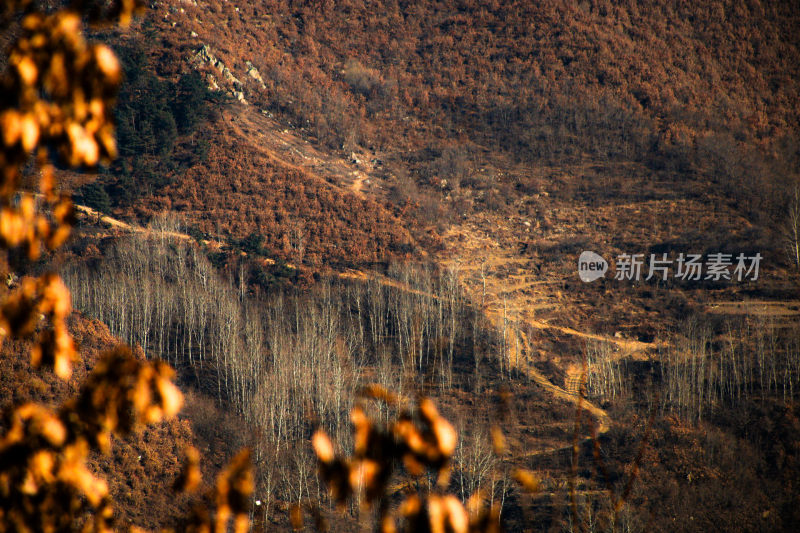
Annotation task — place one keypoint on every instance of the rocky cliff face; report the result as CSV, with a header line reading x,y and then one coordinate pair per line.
x,y
226,81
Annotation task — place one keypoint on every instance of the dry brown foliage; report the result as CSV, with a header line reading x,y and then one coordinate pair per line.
x,y
45,484
58,91
57,95
422,441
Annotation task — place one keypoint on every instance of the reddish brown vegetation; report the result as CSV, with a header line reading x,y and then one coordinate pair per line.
x,y
140,469
241,191
442,88
439,89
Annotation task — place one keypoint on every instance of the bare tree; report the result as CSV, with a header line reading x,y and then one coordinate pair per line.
x,y
474,460
791,228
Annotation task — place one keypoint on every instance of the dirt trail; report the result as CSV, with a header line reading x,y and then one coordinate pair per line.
x,y
120,225
628,346
358,184
501,280
604,421
530,370
267,136
519,294
517,352
383,280
487,272
762,308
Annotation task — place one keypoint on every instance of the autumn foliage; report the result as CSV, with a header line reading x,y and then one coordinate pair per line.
x,y
420,439
57,95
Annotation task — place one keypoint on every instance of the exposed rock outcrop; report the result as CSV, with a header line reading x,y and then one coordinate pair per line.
x,y
233,86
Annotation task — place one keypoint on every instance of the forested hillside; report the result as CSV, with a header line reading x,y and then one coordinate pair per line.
x,y
329,217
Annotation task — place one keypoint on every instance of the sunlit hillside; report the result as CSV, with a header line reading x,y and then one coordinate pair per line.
x,y
313,197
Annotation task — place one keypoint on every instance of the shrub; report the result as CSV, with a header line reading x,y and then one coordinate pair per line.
x,y
361,79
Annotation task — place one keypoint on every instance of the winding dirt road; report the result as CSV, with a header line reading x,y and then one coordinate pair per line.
x,y
261,132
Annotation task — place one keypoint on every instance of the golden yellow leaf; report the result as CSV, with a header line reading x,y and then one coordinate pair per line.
x,y
527,479
107,62
322,446
11,127
456,514
362,474
41,466
171,397
498,440
26,68
29,131
446,436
